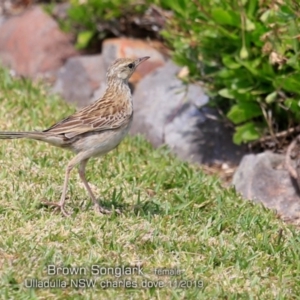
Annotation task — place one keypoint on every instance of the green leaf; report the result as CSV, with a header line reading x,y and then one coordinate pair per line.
x,y
265,16
225,93
244,90
179,6
252,6
230,63
245,133
250,25
293,105
289,83
241,85
271,97
225,17
83,39
244,111
267,70
225,73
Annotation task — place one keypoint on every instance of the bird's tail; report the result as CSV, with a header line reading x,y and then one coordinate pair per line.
x,y
35,135
18,135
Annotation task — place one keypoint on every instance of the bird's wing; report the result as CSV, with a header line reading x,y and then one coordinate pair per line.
x,y
103,115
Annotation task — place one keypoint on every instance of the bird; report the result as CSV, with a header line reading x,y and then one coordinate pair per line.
x,y
94,130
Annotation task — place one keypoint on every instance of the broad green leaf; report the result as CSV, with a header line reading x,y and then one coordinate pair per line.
x,y
241,85
258,92
251,66
289,83
241,82
294,62
249,25
226,94
267,70
268,16
244,111
245,133
230,62
244,90
271,97
83,39
178,6
292,104
294,31
225,73
225,17
252,6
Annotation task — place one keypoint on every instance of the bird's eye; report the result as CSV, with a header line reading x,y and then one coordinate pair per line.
x,y
130,66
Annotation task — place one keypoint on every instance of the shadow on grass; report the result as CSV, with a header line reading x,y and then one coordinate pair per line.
x,y
141,208
147,208
116,204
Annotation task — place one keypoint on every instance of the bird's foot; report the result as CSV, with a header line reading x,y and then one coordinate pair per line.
x,y
99,209
57,206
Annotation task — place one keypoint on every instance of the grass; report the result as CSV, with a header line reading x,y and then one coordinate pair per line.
x,y
173,217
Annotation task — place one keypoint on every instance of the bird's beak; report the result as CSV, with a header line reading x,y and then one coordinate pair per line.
x,y
140,60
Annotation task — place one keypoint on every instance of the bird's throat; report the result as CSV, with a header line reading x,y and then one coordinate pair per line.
x,y
119,86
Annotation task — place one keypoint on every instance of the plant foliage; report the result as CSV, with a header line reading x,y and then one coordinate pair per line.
x,y
94,19
247,54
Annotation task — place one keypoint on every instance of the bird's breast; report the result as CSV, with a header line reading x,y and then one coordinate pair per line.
x,y
99,143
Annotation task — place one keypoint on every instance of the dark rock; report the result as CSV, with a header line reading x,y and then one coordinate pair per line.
x,y
263,178
167,111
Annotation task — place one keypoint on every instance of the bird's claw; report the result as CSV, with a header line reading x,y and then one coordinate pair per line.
x,y
57,206
99,209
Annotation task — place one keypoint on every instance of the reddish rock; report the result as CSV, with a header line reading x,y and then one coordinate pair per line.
x,y
125,47
32,43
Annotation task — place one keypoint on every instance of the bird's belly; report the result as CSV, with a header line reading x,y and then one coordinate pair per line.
x,y
100,143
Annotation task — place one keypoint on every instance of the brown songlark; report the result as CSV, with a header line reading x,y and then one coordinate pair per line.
x,y
94,130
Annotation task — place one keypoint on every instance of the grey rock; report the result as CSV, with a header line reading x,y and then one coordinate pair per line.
x,y
79,78
2,19
99,92
263,178
155,97
169,112
60,11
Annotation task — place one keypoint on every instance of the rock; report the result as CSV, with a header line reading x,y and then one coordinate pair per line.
x,y
2,20
60,11
32,44
13,7
78,79
169,112
134,48
98,93
263,178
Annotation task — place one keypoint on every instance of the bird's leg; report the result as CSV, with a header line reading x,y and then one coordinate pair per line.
x,y
81,171
61,204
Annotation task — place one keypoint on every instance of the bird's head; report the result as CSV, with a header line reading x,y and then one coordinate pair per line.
x,y
123,68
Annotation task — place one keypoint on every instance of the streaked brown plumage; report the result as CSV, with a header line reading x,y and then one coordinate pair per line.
x,y
94,130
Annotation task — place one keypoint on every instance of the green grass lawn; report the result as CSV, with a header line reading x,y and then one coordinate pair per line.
x,y
173,217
